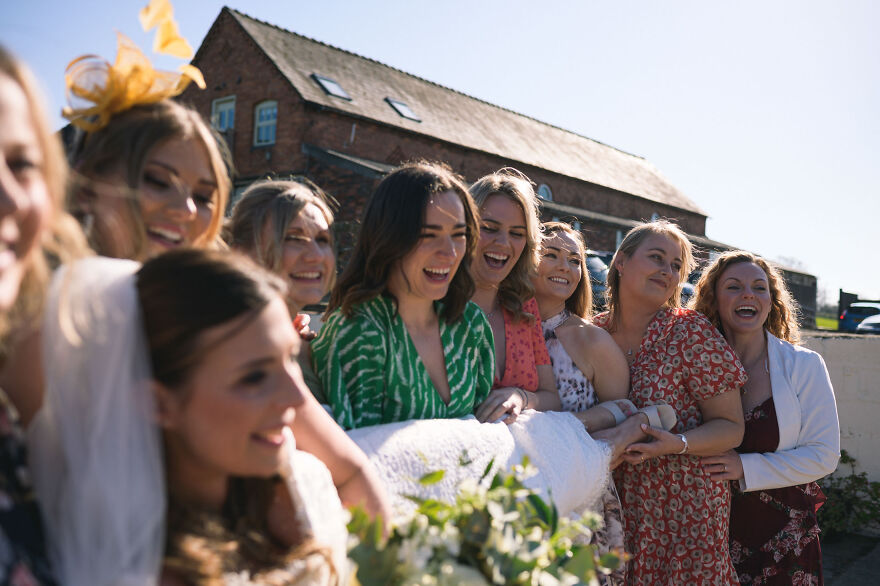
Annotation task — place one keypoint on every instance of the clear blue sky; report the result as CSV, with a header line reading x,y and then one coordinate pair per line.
x,y
766,114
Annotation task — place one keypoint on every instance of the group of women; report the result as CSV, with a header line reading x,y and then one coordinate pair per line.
x,y
161,386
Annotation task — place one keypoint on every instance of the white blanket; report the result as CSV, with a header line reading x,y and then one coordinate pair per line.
x,y
572,467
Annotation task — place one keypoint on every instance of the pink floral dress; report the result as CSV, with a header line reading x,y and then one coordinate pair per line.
x,y
675,515
524,350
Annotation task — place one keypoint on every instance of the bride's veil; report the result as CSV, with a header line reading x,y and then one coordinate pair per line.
x,y
95,449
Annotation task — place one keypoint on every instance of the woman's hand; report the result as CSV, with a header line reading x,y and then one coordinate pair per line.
x,y
301,325
725,466
621,436
663,444
502,404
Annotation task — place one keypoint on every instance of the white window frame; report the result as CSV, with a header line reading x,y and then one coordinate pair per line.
x,y
222,105
258,125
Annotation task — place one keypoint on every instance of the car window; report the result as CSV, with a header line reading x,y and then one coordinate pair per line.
x,y
861,311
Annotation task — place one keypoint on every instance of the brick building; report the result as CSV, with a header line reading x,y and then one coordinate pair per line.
x,y
290,105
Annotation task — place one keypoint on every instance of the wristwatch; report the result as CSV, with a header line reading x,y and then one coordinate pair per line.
x,y
684,450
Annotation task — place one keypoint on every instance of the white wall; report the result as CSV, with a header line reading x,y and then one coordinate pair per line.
x,y
854,365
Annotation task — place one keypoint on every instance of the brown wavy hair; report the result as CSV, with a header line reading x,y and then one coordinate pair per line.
x,y
183,293
62,240
517,287
782,320
631,242
390,230
580,302
123,146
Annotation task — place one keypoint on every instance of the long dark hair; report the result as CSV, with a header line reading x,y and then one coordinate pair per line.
x,y
392,224
182,294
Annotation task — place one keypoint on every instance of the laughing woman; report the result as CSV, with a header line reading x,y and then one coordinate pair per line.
x,y
792,436
504,263
401,340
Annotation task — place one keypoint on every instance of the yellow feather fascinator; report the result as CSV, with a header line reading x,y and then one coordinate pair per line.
x,y
131,79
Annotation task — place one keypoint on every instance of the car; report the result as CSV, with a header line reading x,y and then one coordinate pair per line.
x,y
869,325
853,315
598,274
687,291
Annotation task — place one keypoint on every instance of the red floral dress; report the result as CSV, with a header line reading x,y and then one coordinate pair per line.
x,y
774,533
675,516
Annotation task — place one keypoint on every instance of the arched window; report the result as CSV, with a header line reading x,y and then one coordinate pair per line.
x,y
544,192
265,122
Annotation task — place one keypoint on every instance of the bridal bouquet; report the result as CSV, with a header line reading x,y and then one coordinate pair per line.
x,y
500,533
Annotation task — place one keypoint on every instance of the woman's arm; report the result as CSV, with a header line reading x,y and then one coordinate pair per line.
x,y
354,478
722,429
349,358
818,445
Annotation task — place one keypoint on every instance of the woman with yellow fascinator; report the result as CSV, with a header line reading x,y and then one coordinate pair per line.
x,y
149,174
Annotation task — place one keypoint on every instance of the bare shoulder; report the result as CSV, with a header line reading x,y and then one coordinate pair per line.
x,y
582,331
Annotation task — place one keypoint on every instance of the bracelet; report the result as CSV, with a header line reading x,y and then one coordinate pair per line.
x,y
684,450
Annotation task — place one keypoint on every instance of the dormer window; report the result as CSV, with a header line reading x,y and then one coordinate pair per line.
x,y
331,87
402,109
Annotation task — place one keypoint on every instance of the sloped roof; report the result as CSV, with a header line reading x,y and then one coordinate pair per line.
x,y
454,117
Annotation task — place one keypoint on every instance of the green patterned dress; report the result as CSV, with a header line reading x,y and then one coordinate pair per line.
x,y
372,372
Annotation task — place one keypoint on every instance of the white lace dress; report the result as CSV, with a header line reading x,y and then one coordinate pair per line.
x,y
576,393
319,510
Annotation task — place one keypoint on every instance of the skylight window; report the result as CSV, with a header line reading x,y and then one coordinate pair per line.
x,y
331,87
403,109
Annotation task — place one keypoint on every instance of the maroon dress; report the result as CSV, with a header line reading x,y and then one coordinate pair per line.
x,y
774,535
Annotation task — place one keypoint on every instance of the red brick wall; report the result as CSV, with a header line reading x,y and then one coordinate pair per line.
x,y
234,65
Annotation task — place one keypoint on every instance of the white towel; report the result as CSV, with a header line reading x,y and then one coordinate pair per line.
x,y
572,467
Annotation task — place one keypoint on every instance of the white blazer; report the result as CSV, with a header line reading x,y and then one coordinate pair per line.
x,y
809,433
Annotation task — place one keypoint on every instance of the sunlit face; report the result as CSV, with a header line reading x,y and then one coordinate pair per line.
x,y
653,272
559,271
742,293
307,259
502,239
229,416
426,272
177,197
24,198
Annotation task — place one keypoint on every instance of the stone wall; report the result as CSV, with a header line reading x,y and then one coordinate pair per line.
x,y
854,365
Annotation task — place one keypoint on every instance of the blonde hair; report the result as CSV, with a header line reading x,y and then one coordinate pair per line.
x,y
517,287
123,145
782,320
631,242
580,302
62,240
272,204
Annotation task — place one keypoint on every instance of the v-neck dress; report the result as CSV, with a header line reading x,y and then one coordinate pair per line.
x,y
675,515
372,373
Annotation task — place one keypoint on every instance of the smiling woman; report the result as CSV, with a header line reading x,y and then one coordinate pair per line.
x,y
153,179
401,340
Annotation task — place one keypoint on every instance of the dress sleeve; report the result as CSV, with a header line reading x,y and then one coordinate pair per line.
x,y
350,360
712,367
484,344
818,445
542,356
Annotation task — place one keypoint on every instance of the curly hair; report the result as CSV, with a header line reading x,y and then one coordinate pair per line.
x,y
390,231
517,287
581,301
782,320
631,242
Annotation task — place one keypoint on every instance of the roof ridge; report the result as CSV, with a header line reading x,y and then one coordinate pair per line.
x,y
353,54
